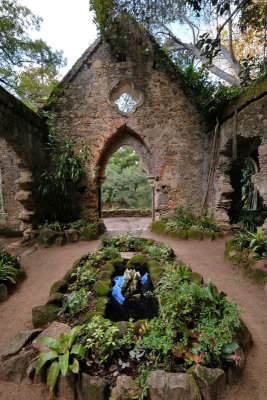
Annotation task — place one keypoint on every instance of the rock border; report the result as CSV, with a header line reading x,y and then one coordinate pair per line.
x,y
49,237
194,234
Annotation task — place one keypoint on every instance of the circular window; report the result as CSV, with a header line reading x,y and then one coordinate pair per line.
x,y
125,97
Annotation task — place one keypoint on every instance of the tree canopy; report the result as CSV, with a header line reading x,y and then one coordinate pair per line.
x,y
214,28
126,184
22,58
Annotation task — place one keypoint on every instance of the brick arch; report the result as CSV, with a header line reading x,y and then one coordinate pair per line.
x,y
125,136
122,137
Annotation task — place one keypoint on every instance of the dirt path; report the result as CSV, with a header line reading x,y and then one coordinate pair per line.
x,y
45,266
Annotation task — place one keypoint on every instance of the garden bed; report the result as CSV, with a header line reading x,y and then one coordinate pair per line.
x,y
184,224
10,273
248,251
59,234
194,338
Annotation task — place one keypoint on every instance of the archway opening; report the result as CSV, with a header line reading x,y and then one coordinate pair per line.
x,y
247,207
126,191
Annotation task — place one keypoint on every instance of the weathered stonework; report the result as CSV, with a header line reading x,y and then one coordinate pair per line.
x,y
9,216
166,130
22,156
251,142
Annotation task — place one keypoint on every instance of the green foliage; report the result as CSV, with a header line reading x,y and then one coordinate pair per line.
x,y
126,184
184,219
9,272
159,251
60,226
194,323
256,242
59,182
209,97
250,220
101,338
17,48
64,354
75,302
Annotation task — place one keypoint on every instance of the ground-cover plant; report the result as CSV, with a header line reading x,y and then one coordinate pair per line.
x,y
64,355
256,242
184,218
247,250
60,226
185,224
8,267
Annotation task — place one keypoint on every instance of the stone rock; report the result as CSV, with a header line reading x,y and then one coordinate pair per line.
x,y
29,251
165,386
92,388
19,341
243,336
211,382
66,386
58,286
14,368
127,255
71,236
54,330
235,371
3,292
125,389
41,315
232,253
55,298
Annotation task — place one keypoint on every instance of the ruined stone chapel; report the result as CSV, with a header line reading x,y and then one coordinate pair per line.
x,y
132,94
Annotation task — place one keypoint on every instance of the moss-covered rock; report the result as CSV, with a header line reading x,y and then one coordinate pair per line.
x,y
20,275
194,234
136,262
59,286
87,318
158,227
46,237
101,304
41,315
56,298
257,275
89,233
155,272
102,288
182,234
208,235
117,263
243,336
195,277
109,267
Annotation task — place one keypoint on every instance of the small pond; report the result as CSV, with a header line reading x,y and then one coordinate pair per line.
x,y
120,308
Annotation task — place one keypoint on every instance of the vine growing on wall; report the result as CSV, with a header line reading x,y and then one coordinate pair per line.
x,y
65,171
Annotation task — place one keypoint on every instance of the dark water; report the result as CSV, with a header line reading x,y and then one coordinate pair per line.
x,y
119,310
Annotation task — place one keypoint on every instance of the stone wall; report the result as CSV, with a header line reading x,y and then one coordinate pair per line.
x,y
251,120
22,156
165,130
9,217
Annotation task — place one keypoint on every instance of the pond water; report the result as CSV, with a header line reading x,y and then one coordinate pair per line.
x,y
120,310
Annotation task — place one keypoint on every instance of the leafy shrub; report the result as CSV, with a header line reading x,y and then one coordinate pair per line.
x,y
65,354
184,219
74,302
256,242
250,220
8,267
195,323
59,182
100,338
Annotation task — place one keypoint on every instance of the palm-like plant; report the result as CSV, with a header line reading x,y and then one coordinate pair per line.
x,y
63,354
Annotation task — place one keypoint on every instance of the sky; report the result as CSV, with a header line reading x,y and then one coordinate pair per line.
x,y
67,25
